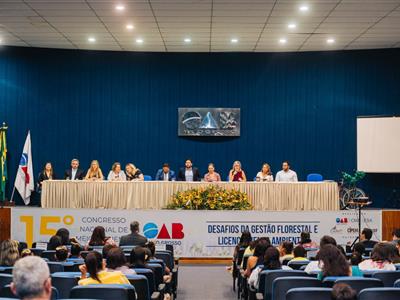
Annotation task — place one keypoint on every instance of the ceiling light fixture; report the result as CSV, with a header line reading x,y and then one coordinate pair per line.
x,y
234,41
119,7
282,41
292,26
330,41
187,40
130,26
139,41
91,39
304,8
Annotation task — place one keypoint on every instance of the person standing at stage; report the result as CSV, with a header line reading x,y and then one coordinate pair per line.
x,y
165,174
116,174
286,174
237,174
74,173
189,173
211,176
94,173
133,173
265,174
46,174
134,238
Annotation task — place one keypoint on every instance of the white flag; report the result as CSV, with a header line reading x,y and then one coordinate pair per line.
x,y
24,179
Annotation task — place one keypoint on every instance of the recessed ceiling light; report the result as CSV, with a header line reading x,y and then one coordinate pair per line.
x,y
292,26
282,41
187,40
304,8
130,26
330,41
139,41
119,7
234,41
91,39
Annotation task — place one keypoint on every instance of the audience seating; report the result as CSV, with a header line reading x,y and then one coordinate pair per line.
x,y
296,265
397,283
63,284
6,270
84,254
357,283
55,267
387,277
49,254
309,294
379,293
158,273
236,266
141,285
6,292
280,286
151,280
5,279
37,252
104,292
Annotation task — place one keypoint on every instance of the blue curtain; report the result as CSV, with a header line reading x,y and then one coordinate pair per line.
x,y
122,106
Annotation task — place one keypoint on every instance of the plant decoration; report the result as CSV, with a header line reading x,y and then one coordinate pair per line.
x,y
212,197
352,180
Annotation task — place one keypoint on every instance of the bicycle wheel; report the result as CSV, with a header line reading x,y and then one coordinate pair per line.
x,y
349,197
343,198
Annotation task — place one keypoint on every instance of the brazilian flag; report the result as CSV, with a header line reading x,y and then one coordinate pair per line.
x,y
3,165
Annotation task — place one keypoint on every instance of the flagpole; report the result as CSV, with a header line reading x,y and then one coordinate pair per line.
x,y
12,195
4,128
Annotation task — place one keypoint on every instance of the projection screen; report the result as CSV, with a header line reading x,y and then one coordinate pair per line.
x,y
378,144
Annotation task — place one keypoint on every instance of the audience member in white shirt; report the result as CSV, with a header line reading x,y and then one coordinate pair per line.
x,y
286,174
265,174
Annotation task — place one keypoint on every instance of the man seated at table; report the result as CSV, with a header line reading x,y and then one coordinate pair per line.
x,y
74,173
165,174
286,174
134,238
189,173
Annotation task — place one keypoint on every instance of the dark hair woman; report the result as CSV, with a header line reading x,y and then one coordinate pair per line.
x,y
258,256
54,242
95,266
381,259
305,240
138,257
116,261
99,237
333,262
244,242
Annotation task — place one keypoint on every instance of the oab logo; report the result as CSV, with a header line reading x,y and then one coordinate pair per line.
x,y
151,231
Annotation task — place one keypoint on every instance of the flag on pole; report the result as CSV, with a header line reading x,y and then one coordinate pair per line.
x,y
24,179
3,165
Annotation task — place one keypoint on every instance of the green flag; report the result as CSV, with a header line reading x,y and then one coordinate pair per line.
x,y
3,165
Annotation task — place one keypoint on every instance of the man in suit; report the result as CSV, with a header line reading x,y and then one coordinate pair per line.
x,y
134,238
165,174
189,173
74,173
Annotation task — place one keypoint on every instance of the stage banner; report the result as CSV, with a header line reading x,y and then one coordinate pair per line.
x,y
193,233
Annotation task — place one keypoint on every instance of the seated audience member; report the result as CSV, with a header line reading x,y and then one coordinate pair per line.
x,y
306,242
299,254
134,238
26,252
286,174
333,262
152,255
99,237
271,262
355,260
94,173
116,174
381,259
46,174
188,173
286,251
137,257
54,242
394,253
257,259
107,249
244,242
9,253
396,236
265,175
165,174
116,261
211,176
74,173
31,279
359,248
133,173
313,266
76,251
66,240
95,266
365,239
342,291
236,173
61,253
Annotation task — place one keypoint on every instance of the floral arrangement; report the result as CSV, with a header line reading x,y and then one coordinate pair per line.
x,y
352,180
212,197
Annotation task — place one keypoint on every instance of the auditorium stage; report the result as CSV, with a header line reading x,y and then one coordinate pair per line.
x,y
196,234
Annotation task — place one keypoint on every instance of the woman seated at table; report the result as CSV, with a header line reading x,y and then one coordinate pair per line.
x,y
133,173
94,173
265,174
116,174
46,174
237,174
211,176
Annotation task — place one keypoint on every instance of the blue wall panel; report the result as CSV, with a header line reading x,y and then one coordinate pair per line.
x,y
121,106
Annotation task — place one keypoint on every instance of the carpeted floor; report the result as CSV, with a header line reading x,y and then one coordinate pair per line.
x,y
201,282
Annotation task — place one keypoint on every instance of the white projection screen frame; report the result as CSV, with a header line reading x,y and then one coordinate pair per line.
x,y
378,144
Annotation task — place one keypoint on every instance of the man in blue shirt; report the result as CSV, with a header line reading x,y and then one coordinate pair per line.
x,y
165,174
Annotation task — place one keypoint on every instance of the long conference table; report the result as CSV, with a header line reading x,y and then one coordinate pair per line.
x,y
157,194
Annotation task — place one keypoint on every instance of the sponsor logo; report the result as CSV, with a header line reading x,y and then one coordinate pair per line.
x,y
334,229
342,220
151,231
352,230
